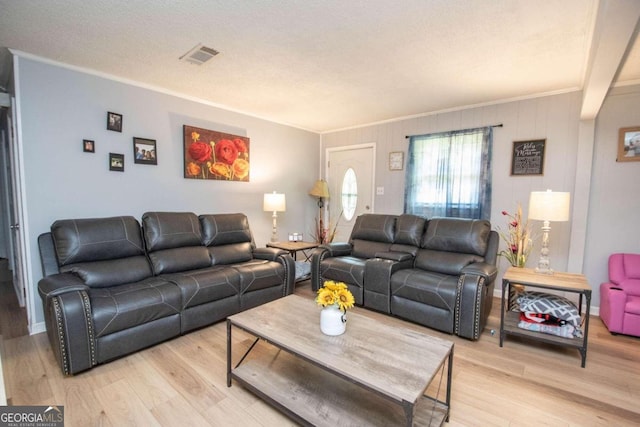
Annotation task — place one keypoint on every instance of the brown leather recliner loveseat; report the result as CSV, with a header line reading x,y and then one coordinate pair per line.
x,y
112,287
439,273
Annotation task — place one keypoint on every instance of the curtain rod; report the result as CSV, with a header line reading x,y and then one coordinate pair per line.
x,y
493,126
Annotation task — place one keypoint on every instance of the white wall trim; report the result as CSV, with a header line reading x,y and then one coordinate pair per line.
x,y
25,256
37,328
147,86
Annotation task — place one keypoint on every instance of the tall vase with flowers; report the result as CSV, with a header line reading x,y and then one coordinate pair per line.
x,y
335,298
517,238
519,243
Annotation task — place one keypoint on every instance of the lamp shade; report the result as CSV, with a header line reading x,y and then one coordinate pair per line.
x,y
274,202
549,206
320,189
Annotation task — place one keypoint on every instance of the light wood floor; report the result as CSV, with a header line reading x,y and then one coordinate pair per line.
x,y
183,382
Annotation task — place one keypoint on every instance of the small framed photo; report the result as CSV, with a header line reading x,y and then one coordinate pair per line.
x,y
114,121
629,144
88,146
144,151
116,162
396,160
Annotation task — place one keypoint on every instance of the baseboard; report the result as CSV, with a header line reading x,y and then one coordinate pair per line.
x,y
3,393
594,311
37,328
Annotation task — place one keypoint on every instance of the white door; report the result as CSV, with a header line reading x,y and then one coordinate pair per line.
x,y
350,176
15,211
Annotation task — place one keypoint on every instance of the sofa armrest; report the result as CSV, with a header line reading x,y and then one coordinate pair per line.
x,y
336,249
269,254
474,298
377,280
328,250
68,316
59,284
395,256
488,271
283,257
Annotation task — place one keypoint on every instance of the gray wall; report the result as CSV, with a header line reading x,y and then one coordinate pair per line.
x,y
557,119
615,202
59,107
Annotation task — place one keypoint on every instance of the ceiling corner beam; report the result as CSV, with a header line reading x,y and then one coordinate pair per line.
x,y
615,25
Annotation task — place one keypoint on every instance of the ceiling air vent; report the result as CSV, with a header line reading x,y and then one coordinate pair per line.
x,y
199,55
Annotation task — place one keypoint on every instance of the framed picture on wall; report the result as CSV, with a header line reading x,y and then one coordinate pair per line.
x,y
114,122
116,162
144,151
396,161
629,144
88,146
527,157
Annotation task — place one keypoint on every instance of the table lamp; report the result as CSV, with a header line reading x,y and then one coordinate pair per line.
x,y
274,202
547,206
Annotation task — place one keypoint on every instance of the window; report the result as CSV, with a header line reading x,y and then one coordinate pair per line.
x,y
449,174
349,194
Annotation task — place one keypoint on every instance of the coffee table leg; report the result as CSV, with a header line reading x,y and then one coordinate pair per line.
x,y
228,353
449,378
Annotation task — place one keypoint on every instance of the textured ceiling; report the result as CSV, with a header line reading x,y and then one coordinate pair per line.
x,y
323,65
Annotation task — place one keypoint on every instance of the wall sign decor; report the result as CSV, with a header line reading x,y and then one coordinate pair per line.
x,y
144,151
629,144
88,146
210,154
116,162
527,157
396,160
114,121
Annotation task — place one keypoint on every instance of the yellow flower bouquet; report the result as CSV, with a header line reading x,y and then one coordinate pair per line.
x,y
335,293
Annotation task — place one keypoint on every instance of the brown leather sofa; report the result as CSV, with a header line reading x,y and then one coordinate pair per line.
x,y
439,273
113,287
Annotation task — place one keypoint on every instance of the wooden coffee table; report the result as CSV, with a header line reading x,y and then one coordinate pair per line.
x,y
376,373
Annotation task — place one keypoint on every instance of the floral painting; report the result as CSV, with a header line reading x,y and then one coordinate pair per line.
x,y
209,154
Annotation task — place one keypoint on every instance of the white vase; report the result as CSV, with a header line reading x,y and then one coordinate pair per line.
x,y
332,320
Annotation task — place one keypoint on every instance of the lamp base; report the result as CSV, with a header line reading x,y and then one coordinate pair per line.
x,y
543,270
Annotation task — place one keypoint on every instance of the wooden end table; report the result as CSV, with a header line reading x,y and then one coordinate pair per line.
x,y
558,281
294,247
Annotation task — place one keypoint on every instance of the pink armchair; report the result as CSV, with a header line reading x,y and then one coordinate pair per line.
x,y
620,297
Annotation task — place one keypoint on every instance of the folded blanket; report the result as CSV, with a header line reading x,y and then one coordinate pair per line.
x,y
565,331
547,324
542,318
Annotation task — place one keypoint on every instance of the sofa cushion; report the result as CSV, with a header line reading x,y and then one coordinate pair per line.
x,y
228,238
444,262
259,274
368,249
409,230
96,239
206,285
346,269
122,307
426,287
101,251
457,235
113,272
373,227
167,230
174,242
